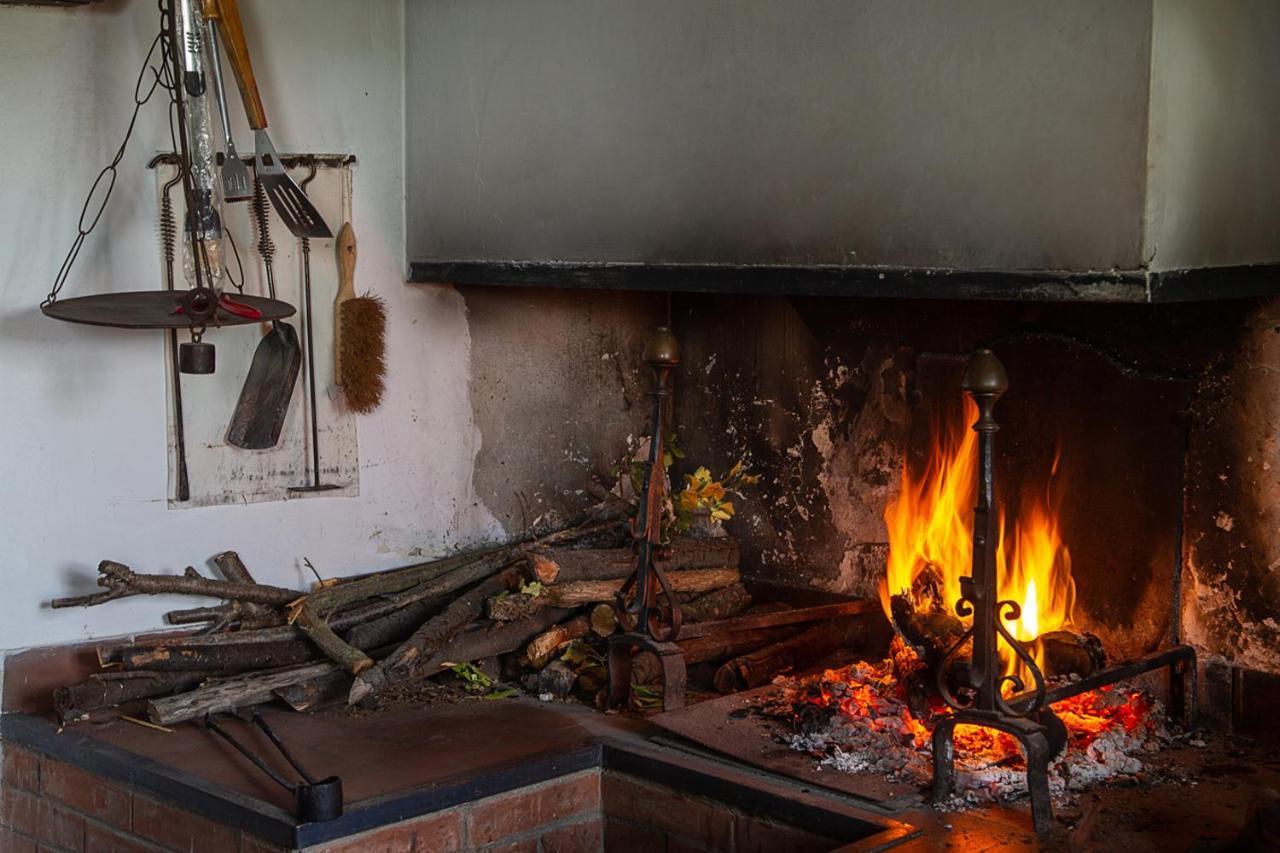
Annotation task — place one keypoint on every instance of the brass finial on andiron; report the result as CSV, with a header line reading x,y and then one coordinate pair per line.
x,y
982,703
638,597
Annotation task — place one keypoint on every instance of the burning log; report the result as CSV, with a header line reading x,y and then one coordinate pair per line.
x,y
720,604
542,648
804,649
108,689
619,563
579,593
1071,653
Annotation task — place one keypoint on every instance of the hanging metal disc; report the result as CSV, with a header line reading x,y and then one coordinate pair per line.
x,y
156,309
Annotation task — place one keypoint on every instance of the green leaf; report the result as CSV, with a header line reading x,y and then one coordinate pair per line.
x,y
533,590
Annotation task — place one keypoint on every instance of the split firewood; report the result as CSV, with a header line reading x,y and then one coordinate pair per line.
x,y
604,620
543,648
804,649
618,563
1072,653
121,582
719,604
224,657
646,669
405,662
108,689
579,593
232,693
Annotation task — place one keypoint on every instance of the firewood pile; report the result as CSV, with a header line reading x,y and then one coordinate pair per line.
x,y
534,614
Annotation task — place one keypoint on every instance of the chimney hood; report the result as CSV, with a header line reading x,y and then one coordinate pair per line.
x,y
1023,149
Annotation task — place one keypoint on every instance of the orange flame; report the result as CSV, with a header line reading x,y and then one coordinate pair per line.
x,y
930,526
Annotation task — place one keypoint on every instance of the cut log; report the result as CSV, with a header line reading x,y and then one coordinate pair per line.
x,y
406,661
238,692
556,681
224,657
720,604
618,563
334,647
645,668
604,620
804,649
776,613
108,689
121,582
543,648
232,567
579,593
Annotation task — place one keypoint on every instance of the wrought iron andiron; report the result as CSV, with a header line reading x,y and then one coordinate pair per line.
x,y
638,597
1030,720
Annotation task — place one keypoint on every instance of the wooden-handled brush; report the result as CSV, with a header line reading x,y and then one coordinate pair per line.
x,y
359,334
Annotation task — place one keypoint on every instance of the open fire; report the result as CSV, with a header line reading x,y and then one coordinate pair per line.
x,y
878,717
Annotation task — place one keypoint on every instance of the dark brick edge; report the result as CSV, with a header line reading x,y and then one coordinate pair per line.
x,y
744,789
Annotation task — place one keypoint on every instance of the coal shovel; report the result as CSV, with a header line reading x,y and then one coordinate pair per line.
x,y
260,412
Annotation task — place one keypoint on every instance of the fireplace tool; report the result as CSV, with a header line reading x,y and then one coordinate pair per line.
x,y
317,800
638,598
308,327
980,701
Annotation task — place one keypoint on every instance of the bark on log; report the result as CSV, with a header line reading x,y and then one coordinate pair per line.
x,y
542,648
121,581
232,567
334,647
720,604
479,641
645,668
579,593
239,692
224,657
804,649
108,689
408,660
562,566
394,626
604,620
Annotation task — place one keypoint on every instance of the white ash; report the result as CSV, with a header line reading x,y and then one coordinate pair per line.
x,y
883,743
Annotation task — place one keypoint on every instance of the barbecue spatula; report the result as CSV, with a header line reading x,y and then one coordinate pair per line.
x,y
291,203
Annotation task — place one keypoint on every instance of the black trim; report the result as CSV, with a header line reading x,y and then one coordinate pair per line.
x,y
1124,286
751,792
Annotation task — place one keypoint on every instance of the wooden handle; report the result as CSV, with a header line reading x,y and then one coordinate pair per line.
x,y
227,14
346,249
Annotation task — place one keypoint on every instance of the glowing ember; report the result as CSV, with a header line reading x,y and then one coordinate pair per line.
x,y
930,528
859,719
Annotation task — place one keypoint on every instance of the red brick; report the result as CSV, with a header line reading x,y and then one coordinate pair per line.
x,y
21,768
250,844
12,842
440,833
59,827
182,830
584,837
703,821
86,793
497,818
623,836
99,839
525,845
19,811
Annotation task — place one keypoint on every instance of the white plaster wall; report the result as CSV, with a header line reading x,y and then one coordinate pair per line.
x,y
82,417
1213,173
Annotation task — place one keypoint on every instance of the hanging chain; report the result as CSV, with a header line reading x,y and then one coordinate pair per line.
x,y
89,214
